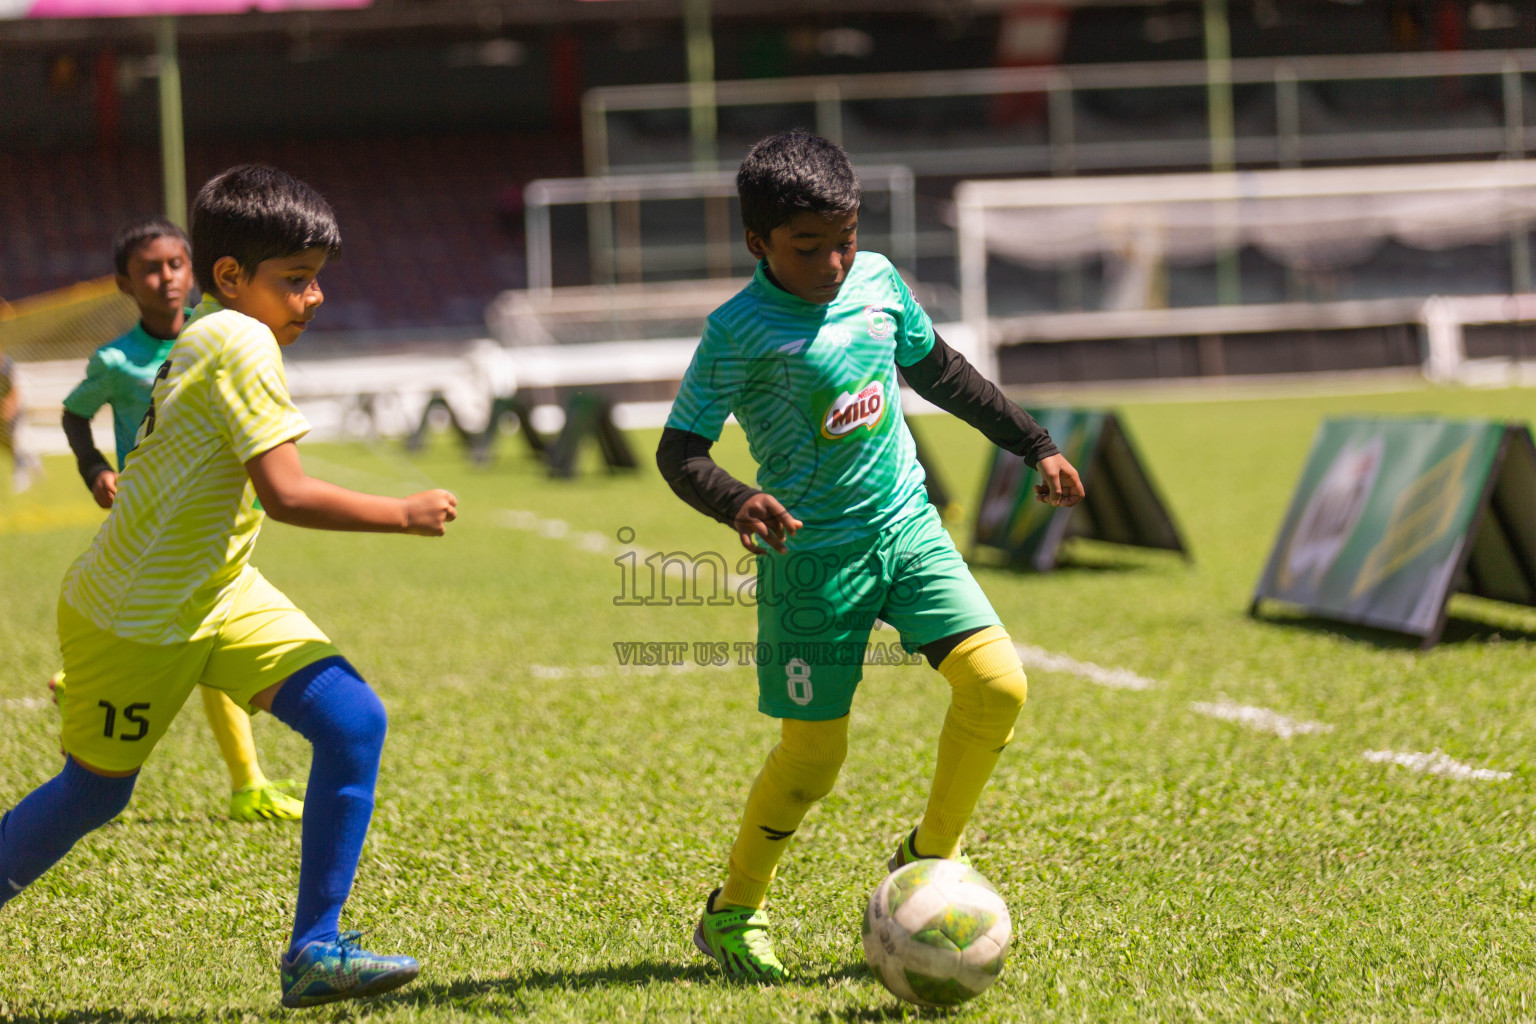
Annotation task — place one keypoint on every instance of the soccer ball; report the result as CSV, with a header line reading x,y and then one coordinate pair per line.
x,y
936,933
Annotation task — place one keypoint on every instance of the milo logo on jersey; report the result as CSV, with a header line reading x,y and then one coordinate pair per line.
x,y
864,407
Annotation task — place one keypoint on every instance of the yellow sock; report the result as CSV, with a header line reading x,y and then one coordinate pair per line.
x,y
987,689
232,728
799,772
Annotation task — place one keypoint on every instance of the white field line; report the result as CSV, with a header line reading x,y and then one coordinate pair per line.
x,y
600,671
596,543
1259,719
25,703
559,529
1435,763
1114,678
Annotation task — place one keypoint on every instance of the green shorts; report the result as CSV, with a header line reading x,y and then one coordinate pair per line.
x,y
815,611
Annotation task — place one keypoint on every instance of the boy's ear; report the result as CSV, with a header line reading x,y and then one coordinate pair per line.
x,y
227,276
756,244
124,285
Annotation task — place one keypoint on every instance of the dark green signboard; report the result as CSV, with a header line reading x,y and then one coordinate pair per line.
x,y
1392,516
587,414
1122,506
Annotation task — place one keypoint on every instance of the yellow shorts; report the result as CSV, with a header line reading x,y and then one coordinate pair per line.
x,y
122,694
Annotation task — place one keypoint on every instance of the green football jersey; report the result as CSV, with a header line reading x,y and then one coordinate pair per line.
x,y
815,388
121,374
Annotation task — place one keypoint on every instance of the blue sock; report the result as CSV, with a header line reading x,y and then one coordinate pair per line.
x,y
329,704
41,829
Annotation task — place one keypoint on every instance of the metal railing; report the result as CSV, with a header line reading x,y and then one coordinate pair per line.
x,y
617,251
1065,153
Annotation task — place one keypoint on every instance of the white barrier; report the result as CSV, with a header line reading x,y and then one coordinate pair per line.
x,y
386,395
1440,318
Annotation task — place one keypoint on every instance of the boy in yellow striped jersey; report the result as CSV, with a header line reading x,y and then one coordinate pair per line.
x,y
154,269
165,598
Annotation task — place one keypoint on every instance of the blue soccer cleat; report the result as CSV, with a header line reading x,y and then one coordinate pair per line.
x,y
324,972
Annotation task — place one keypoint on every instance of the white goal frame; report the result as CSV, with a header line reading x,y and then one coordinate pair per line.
x,y
1441,319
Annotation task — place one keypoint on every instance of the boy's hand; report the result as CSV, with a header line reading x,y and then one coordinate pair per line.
x,y
104,488
428,513
1061,486
763,516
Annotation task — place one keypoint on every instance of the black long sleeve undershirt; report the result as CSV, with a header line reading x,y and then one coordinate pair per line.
x,y
943,377
88,459
683,458
946,379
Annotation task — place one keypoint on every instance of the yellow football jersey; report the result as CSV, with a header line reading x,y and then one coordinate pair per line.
x,y
164,565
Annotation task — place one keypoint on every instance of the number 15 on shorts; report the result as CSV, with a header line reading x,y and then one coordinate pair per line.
x,y
131,715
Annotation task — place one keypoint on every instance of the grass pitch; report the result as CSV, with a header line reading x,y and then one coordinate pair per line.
x,y
549,822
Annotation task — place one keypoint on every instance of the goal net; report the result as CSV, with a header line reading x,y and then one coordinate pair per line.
x,y
69,323
1289,235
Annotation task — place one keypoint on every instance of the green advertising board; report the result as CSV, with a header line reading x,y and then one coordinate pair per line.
x,y
588,414
1392,516
1122,506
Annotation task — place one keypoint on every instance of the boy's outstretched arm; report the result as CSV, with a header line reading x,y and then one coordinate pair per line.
x,y
684,461
290,496
945,378
94,468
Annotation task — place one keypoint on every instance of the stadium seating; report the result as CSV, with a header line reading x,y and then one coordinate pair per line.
x,y
432,226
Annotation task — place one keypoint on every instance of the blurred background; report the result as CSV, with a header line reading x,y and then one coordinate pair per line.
x,y
536,195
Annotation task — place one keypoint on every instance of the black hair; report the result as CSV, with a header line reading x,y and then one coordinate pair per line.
x,y
142,232
256,213
792,173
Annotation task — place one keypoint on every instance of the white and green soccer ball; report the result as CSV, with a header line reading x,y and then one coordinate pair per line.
x,y
936,933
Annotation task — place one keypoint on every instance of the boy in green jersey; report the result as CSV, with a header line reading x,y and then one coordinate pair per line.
x,y
806,358
154,269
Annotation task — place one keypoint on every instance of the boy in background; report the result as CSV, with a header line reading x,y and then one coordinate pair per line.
x,y
24,465
154,269
166,599
805,357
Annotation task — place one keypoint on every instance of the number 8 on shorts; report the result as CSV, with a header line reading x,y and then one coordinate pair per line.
x,y
798,676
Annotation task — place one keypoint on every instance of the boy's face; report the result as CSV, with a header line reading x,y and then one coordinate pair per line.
x,y
159,277
283,293
811,255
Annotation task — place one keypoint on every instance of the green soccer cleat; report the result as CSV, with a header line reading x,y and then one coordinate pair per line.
x,y
265,801
324,972
56,685
737,939
906,853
